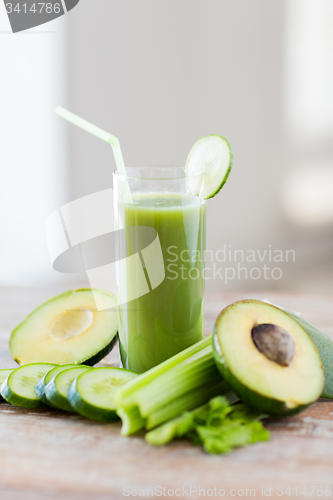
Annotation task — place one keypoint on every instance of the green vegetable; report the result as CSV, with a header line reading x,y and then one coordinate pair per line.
x,y
3,376
42,383
217,426
325,347
267,358
19,387
212,156
68,329
56,390
92,393
181,383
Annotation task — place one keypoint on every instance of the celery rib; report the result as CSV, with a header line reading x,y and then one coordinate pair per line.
x,y
192,399
181,383
131,420
177,385
147,377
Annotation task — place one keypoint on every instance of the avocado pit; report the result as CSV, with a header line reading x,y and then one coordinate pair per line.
x,y
274,342
71,323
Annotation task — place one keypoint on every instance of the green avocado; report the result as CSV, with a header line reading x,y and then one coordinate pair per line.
x,y
325,347
68,329
267,358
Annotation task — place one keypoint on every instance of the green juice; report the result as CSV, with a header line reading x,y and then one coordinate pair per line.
x,y
169,318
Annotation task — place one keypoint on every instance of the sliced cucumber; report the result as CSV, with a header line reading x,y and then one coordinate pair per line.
x,y
57,389
92,393
19,387
212,157
3,375
42,383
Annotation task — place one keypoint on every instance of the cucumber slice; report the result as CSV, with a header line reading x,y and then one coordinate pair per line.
x,y
212,156
3,375
92,393
57,389
19,387
42,383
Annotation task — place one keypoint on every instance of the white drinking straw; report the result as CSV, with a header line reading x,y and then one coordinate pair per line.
x,y
105,136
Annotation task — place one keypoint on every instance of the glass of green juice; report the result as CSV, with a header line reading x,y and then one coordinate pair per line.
x,y
160,263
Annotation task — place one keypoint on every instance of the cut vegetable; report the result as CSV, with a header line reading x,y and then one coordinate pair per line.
x,y
19,387
181,383
92,393
56,390
212,157
3,376
267,358
216,425
67,329
42,383
325,347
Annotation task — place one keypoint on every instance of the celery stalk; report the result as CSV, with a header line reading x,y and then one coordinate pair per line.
x,y
131,420
188,401
181,383
145,378
191,373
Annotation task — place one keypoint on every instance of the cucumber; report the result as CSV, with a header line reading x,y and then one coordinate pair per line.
x,y
19,387
92,393
42,383
211,157
57,389
3,375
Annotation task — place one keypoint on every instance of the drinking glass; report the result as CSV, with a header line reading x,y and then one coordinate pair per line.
x,y
160,263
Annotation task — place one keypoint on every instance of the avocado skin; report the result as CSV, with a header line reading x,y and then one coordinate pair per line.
x,y
325,347
251,398
101,354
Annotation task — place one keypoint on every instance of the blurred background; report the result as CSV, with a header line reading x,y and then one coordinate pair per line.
x,y
160,75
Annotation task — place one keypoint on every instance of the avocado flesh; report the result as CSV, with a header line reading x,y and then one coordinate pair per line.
x,y
262,383
68,329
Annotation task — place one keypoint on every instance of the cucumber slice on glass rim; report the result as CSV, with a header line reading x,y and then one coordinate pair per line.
x,y
19,387
57,389
212,157
92,393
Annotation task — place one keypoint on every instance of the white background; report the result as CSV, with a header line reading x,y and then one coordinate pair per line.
x,y
159,75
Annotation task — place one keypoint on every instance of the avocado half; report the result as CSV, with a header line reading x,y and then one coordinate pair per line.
x,y
68,329
267,358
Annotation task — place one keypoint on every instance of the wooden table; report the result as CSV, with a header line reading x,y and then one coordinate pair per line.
x,y
50,454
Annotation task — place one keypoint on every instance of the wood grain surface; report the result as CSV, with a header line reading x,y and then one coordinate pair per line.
x,y
50,454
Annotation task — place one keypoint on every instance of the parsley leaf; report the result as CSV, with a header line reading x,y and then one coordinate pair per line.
x,y
217,426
